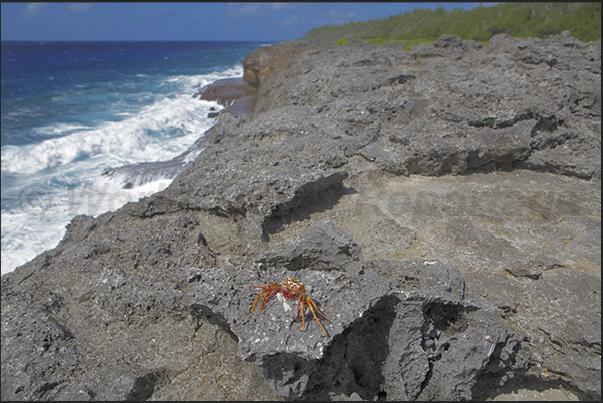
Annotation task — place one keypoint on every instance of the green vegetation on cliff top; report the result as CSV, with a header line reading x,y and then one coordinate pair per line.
x,y
481,23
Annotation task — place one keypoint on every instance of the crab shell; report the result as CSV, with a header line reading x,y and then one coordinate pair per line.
x,y
292,288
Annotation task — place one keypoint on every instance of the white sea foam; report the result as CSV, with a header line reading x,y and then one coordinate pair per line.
x,y
38,225
57,129
137,138
63,174
192,155
28,237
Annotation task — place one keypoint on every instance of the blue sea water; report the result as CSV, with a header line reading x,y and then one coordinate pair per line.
x,y
70,110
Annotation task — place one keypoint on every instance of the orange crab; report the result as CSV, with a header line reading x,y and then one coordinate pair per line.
x,y
291,288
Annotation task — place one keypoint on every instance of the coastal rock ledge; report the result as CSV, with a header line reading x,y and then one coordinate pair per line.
x,y
442,206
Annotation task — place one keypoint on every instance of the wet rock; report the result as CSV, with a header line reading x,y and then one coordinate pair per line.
x,y
235,95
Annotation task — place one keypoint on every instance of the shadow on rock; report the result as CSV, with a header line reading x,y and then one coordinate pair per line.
x,y
398,329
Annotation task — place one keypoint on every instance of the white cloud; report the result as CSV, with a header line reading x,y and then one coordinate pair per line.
x,y
342,16
281,6
79,7
245,9
33,9
289,21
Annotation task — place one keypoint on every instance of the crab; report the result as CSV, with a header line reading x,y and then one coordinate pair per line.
x,y
291,288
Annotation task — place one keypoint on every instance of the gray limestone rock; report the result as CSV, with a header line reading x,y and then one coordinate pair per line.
x,y
427,324
564,315
441,206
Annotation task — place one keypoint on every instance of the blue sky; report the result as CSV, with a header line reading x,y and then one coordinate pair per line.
x,y
188,21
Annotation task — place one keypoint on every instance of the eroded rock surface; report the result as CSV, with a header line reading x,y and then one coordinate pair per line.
x,y
441,205
420,326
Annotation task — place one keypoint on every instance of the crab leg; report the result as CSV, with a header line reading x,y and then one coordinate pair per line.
x,y
270,289
300,299
255,303
311,303
303,301
313,306
303,310
290,289
268,294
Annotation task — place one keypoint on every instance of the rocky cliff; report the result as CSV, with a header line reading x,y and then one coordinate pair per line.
x,y
441,206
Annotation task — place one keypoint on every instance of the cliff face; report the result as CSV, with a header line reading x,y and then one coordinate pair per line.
x,y
268,59
441,206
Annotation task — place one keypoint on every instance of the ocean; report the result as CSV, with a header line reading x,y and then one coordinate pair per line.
x,y
71,110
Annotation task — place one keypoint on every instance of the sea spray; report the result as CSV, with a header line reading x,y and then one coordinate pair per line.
x,y
70,111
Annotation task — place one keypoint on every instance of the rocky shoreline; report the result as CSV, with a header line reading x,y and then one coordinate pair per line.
x,y
441,205
235,95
